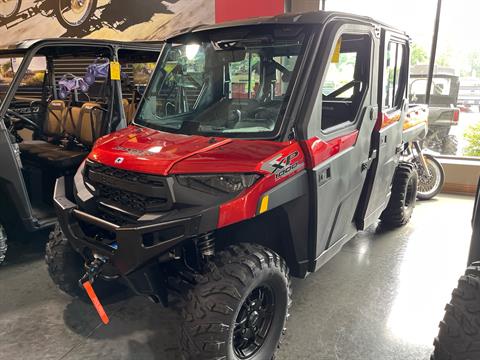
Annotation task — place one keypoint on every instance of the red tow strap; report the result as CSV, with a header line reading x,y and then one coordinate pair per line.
x,y
96,303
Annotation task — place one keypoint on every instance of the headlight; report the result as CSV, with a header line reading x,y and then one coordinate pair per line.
x,y
226,183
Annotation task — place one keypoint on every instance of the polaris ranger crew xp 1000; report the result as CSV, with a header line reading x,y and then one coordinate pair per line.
x,y
258,150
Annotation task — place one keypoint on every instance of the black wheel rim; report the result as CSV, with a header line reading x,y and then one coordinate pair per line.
x,y
253,322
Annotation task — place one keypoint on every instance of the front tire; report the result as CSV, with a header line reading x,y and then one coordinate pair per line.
x,y
239,307
459,333
430,186
403,198
65,265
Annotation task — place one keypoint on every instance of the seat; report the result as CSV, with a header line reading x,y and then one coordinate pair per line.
x,y
90,125
85,124
56,114
52,129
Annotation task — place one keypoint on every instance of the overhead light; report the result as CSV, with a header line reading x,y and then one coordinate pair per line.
x,y
192,50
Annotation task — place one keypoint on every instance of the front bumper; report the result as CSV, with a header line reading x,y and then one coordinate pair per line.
x,y
129,247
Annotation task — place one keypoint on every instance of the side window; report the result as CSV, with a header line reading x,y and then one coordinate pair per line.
x,y
395,71
346,80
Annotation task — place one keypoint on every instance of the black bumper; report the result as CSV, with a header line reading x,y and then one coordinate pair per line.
x,y
134,246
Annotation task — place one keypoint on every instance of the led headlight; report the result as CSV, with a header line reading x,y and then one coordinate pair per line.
x,y
226,183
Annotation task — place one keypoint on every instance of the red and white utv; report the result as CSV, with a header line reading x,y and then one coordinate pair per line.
x,y
258,150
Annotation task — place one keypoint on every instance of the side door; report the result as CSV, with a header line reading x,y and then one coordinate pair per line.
x,y
388,133
339,151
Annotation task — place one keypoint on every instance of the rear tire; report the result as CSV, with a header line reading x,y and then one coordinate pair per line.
x,y
65,265
403,198
430,186
245,292
459,333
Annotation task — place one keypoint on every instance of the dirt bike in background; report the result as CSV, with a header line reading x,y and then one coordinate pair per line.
x,y
69,13
431,175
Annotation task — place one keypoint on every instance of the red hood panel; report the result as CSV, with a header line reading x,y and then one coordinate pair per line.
x,y
155,152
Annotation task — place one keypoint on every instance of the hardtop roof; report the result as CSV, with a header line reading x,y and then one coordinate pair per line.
x,y
307,18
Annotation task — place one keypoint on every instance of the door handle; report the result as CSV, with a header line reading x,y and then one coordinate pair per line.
x,y
368,163
324,176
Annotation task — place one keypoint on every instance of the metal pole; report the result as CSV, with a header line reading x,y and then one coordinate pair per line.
x,y
323,4
433,53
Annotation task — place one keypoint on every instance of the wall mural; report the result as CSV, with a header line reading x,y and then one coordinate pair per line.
x,y
105,19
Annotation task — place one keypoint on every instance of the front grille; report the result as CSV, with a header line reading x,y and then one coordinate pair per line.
x,y
131,191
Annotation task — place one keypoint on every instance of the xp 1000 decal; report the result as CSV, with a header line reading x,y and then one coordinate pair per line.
x,y
282,166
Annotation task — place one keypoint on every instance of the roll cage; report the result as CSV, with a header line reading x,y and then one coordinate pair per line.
x,y
18,185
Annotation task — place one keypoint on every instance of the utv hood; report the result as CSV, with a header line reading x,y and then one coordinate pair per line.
x,y
155,152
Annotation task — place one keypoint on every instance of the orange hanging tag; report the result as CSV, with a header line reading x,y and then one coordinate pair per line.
x,y
96,303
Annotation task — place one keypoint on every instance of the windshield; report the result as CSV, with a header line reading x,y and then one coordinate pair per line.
x,y
223,87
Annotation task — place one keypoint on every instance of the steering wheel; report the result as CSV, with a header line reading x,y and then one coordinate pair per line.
x,y
13,114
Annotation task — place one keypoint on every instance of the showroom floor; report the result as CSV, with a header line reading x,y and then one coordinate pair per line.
x,y
380,298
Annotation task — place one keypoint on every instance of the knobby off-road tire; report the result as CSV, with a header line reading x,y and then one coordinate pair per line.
x,y
3,243
430,186
403,198
244,287
459,334
65,265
